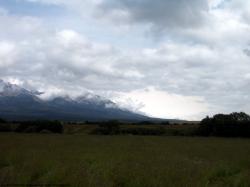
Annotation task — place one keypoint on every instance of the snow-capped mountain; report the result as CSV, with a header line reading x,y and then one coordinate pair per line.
x,y
8,89
17,103
90,98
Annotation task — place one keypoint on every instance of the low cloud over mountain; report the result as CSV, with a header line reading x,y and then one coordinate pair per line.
x,y
17,103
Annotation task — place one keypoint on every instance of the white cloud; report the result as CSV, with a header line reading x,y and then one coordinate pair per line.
x,y
3,11
192,76
239,7
158,103
8,54
200,67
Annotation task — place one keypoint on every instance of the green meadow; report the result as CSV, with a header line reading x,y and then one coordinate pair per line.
x,y
133,161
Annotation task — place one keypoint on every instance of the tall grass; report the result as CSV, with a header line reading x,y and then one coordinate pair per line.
x,y
88,160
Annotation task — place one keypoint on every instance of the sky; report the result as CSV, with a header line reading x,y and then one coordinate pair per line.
x,y
169,59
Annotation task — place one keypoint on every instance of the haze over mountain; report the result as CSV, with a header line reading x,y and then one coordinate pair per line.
x,y
17,103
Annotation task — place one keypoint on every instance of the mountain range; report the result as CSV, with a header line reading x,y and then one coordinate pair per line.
x,y
17,103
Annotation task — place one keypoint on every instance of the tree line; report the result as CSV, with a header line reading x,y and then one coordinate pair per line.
x,y
226,125
221,125
37,126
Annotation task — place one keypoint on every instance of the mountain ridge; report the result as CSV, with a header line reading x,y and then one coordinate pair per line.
x,y
17,103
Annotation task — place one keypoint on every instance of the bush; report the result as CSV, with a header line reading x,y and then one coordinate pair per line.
x,y
45,131
113,128
165,123
144,131
4,127
145,123
38,126
2,120
108,128
232,125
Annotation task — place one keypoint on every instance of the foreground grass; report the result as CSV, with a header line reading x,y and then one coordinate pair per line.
x,y
85,160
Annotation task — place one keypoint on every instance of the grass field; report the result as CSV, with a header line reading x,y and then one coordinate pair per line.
x,y
99,161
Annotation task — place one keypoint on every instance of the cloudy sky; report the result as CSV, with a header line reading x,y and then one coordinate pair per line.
x,y
173,59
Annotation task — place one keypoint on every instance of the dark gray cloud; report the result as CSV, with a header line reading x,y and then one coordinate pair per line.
x,y
247,52
159,14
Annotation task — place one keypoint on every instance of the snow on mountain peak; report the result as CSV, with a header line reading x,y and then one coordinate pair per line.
x,y
92,98
8,89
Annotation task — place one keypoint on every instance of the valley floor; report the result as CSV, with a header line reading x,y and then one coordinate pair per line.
x,y
89,160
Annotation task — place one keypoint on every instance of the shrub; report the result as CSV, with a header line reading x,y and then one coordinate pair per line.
x,y
145,123
144,131
45,131
4,127
2,120
38,126
108,128
232,125
165,123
